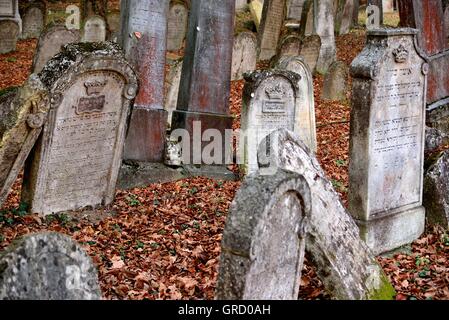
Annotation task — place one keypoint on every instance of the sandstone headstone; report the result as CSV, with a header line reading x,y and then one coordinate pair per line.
x,y
344,16
270,102
310,50
270,28
336,82
324,22
94,29
342,260
9,33
47,266
76,162
173,83
177,26
256,8
33,22
144,30
263,242
50,43
436,191
387,139
294,9
306,100
244,55
23,113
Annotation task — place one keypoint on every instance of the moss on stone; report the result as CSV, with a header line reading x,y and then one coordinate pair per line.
x,y
385,291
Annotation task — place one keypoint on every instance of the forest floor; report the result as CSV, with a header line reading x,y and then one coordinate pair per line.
x,y
163,241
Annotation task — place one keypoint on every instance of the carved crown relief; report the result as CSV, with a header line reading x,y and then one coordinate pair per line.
x,y
400,54
276,92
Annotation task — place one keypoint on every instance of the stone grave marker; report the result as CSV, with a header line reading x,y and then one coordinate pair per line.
x,y
33,21
9,10
76,162
244,55
264,239
94,29
270,28
47,266
173,83
177,26
23,113
290,46
294,9
270,102
241,5
388,6
324,22
306,99
256,8
344,16
307,25
344,263
387,139
113,19
50,43
310,50
9,33
336,82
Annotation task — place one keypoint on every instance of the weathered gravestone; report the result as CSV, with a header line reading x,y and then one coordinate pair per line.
x,y
436,195
264,239
306,99
76,162
113,20
388,6
94,29
177,26
33,20
23,112
9,33
270,102
50,43
47,266
244,55
294,9
144,29
344,16
290,46
336,82
172,88
343,262
324,24
387,139
307,25
9,10
241,5
256,9
270,28
310,50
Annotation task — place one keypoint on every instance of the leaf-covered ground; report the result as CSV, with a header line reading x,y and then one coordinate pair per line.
x,y
163,241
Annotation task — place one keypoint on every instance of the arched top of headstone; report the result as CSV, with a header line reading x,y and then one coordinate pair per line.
x,y
254,79
47,266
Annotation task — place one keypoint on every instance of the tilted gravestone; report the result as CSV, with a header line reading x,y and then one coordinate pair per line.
x,y
76,162
94,29
307,25
23,113
387,139
244,55
9,33
50,43
324,23
172,88
344,16
143,36
270,102
273,15
310,50
306,100
343,262
177,26
336,82
33,20
264,239
47,266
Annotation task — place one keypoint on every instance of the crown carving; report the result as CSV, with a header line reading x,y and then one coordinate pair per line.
x,y
95,87
400,54
276,92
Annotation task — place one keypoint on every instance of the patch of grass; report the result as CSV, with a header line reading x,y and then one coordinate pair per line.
x,y
133,201
11,59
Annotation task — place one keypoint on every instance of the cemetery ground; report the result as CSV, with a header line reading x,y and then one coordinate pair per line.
x,y
163,241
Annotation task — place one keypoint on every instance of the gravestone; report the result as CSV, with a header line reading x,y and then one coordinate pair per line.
x,y
9,33
294,9
270,102
172,87
436,195
336,82
50,43
256,8
241,5
33,21
9,10
388,6
324,23
47,266
76,162
270,28
344,263
177,26
446,20
113,20
244,55
144,29
344,16
306,100
307,25
206,73
23,113
94,29
263,242
290,46
387,139
310,50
